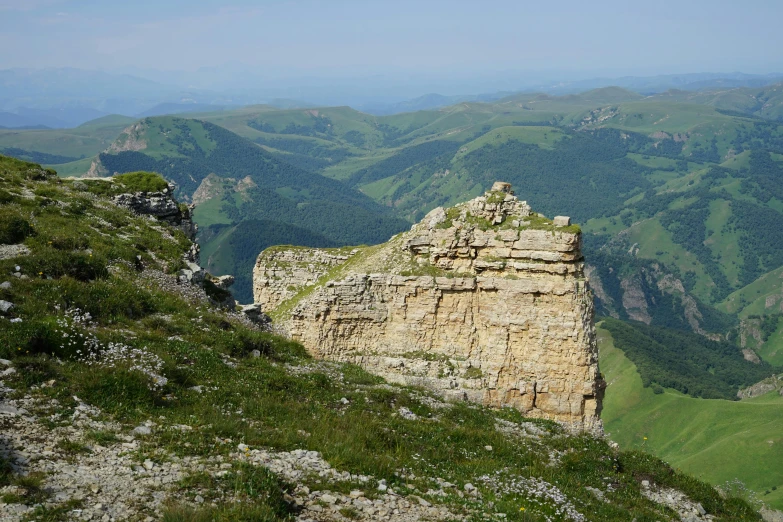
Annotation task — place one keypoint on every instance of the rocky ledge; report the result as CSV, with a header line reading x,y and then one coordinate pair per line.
x,y
485,301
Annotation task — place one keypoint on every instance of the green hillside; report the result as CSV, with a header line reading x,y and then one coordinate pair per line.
x,y
233,249
59,146
765,102
717,440
239,181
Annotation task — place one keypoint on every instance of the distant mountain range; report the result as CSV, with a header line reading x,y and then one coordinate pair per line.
x,y
66,97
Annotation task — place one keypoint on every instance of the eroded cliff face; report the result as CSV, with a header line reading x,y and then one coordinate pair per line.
x,y
485,301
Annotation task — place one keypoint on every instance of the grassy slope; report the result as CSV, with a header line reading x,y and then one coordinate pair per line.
x,y
88,139
751,299
772,349
715,440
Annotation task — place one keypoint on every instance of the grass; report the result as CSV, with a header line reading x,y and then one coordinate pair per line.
x,y
655,242
544,137
715,440
102,437
723,242
752,299
255,493
210,213
44,513
71,447
76,168
86,140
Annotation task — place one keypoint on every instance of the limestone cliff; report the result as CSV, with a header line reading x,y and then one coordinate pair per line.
x,y
485,301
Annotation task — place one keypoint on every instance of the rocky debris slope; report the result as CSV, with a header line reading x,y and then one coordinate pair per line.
x,y
108,481
485,301
87,465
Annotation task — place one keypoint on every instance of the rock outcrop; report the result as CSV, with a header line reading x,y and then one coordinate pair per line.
x,y
161,205
485,301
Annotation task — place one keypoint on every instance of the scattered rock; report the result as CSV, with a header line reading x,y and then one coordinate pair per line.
x,y
771,515
12,251
5,306
405,413
223,282
142,430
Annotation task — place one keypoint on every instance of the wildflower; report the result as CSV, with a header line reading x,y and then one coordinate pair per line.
x,y
522,509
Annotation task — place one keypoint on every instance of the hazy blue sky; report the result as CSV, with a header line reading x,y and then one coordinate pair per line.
x,y
348,37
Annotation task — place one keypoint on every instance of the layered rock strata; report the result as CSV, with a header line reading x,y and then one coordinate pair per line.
x,y
485,301
163,206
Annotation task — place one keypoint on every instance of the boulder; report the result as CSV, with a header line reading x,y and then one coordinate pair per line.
x,y
223,282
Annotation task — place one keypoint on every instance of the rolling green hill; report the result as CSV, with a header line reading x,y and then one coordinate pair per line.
x,y
765,102
62,146
716,440
236,182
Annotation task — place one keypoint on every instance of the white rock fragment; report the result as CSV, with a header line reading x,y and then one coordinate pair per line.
x,y
142,430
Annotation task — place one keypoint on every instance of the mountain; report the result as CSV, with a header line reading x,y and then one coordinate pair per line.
x,y
716,440
764,102
69,96
234,180
676,196
10,120
60,118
